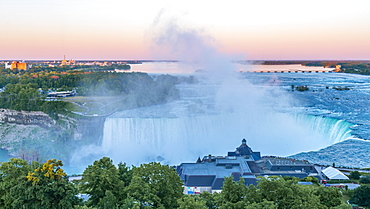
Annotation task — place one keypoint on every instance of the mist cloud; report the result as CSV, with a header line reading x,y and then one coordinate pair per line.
x,y
173,38
238,108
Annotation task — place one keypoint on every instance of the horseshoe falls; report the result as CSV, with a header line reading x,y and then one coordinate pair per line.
x,y
332,130
321,125
177,139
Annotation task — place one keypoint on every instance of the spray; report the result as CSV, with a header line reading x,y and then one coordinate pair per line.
x,y
212,116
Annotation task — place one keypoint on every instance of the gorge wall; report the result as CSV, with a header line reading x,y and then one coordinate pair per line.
x,y
34,135
26,118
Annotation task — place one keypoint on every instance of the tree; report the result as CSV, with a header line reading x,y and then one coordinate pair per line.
x,y
233,193
130,203
109,201
287,193
21,97
354,175
124,173
141,192
11,174
365,180
262,205
191,202
82,207
98,179
155,185
311,179
253,194
45,186
210,199
50,187
361,196
343,206
277,189
329,196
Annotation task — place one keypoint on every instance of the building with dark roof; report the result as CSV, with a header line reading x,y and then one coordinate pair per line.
x,y
208,174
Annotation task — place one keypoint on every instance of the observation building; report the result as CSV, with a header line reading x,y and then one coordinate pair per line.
x,y
208,174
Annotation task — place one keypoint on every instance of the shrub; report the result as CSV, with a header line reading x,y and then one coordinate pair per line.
x,y
365,180
354,175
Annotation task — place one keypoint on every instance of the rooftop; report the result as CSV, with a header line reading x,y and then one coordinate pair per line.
x,y
244,163
333,173
207,169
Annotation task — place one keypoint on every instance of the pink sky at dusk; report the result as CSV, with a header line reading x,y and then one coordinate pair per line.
x,y
114,29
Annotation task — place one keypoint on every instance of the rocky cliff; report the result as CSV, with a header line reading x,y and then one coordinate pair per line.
x,y
26,118
36,136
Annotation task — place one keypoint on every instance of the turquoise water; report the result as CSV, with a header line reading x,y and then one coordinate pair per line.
x,y
4,155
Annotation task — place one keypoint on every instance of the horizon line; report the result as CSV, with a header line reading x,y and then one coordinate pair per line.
x,y
170,60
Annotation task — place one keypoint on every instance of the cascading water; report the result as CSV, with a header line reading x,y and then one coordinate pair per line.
x,y
201,123
183,130
333,130
177,139
211,118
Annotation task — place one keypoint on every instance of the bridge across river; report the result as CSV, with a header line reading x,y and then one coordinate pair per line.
x,y
294,71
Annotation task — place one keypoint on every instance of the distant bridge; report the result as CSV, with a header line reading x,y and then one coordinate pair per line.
x,y
292,71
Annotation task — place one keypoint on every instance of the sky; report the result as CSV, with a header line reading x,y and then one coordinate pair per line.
x,y
250,29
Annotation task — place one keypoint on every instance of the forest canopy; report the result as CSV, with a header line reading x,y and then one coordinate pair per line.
x,y
29,90
151,185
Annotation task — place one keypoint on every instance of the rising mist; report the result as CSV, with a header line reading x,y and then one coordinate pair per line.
x,y
212,116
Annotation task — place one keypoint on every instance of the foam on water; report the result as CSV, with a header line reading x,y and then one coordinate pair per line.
x,y
178,139
211,118
193,126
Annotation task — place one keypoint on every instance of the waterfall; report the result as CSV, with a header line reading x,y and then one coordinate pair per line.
x,y
333,130
179,139
212,118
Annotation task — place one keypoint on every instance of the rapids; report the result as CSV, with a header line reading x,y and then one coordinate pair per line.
x,y
212,118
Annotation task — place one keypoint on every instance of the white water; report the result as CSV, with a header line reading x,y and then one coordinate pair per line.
x,y
179,139
212,117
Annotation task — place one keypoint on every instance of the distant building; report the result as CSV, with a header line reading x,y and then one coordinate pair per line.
x,y
337,68
208,174
67,62
7,65
334,174
19,65
62,94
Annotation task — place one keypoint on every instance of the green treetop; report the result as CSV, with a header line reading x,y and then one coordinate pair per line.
x,y
156,185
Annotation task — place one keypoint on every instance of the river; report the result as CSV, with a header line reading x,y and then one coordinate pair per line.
x,y
213,115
